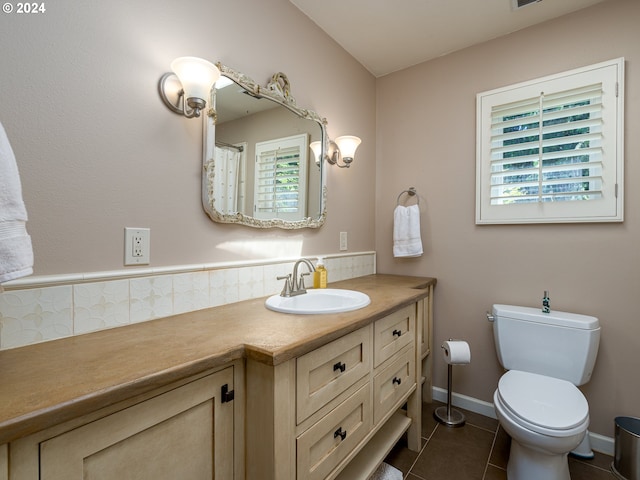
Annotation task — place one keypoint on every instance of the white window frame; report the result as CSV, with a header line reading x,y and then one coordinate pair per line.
x,y
607,208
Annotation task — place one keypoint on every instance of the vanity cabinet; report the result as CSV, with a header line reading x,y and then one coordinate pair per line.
x,y
425,317
337,411
182,431
153,400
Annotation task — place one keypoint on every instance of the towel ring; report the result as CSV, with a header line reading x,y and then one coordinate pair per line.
x,y
411,192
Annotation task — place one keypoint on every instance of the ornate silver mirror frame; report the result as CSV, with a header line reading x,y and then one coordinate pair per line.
x,y
278,91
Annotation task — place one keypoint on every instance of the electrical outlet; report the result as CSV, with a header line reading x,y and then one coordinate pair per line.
x,y
137,249
136,246
343,240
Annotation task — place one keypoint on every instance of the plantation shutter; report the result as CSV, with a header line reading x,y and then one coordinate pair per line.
x,y
280,178
551,150
548,148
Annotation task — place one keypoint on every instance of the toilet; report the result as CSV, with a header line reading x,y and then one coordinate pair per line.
x,y
537,402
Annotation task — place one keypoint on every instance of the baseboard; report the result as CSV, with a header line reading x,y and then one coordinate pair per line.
x,y
602,444
462,401
599,443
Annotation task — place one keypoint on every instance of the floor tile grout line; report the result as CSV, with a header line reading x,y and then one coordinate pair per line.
x,y
597,467
493,444
432,432
409,472
471,424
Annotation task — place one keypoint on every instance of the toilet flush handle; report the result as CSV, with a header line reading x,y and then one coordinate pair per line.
x,y
490,317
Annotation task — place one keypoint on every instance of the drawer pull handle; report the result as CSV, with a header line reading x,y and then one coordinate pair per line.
x,y
340,366
340,433
397,333
397,381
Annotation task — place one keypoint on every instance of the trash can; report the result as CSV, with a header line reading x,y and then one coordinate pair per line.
x,y
626,462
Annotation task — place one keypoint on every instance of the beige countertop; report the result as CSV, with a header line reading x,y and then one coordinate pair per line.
x,y
49,383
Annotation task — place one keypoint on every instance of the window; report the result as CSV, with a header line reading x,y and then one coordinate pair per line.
x,y
551,150
281,178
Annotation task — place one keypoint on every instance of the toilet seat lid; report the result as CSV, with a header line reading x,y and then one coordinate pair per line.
x,y
545,402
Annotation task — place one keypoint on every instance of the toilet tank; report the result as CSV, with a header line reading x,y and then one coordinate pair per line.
x,y
557,344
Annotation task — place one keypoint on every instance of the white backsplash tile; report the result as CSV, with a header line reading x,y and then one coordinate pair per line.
x,y
32,315
151,297
190,292
250,282
100,305
223,286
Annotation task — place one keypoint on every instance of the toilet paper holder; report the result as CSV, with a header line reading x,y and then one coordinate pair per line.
x,y
447,415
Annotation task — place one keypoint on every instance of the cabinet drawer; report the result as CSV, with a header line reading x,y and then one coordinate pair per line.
x,y
324,445
329,370
393,332
393,382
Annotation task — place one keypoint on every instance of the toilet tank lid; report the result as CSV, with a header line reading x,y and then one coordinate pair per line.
x,y
564,319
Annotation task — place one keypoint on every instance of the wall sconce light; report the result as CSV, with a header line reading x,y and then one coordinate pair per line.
x,y
343,148
186,88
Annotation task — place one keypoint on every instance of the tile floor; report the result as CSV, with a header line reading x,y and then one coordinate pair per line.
x,y
477,451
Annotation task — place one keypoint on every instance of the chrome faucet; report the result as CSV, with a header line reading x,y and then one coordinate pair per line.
x,y
294,284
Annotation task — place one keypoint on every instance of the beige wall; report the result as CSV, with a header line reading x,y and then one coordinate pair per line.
x,y
426,139
98,151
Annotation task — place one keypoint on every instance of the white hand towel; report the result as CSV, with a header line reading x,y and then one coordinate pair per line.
x,y
16,253
406,231
386,472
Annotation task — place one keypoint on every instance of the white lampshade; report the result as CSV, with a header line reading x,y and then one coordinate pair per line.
x,y
316,148
196,75
348,145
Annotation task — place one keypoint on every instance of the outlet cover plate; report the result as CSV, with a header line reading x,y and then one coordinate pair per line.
x,y
343,241
137,243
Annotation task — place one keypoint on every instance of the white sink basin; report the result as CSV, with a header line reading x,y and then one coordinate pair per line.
x,y
321,300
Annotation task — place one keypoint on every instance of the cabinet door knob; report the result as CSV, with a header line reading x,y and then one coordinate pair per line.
x,y
397,333
340,433
397,381
340,366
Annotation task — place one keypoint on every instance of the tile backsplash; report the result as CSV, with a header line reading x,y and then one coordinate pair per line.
x,y
31,311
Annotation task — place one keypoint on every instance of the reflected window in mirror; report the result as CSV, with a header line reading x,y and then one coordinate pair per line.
x,y
281,178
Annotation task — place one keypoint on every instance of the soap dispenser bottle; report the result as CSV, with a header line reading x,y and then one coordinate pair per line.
x,y
320,275
546,307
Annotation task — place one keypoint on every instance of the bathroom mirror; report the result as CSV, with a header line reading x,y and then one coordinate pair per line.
x,y
259,169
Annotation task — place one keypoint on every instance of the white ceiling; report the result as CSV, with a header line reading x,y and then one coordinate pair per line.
x,y
389,35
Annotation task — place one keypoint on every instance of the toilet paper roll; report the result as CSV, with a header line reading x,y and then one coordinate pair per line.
x,y
456,352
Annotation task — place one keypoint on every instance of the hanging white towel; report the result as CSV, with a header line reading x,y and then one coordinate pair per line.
x,y
406,231
16,253
386,472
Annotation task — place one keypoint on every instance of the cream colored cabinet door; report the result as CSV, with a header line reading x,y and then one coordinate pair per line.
x,y
183,433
